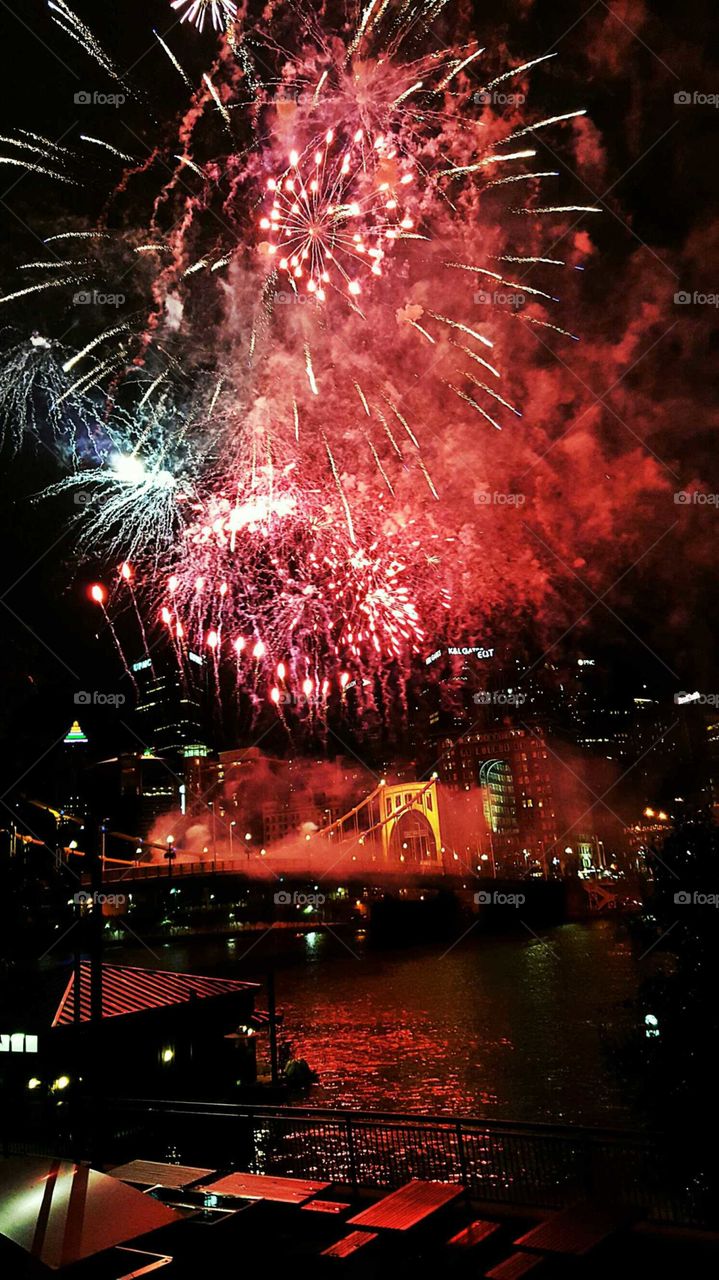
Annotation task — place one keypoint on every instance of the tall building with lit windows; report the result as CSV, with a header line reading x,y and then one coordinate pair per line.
x,y
512,769
169,716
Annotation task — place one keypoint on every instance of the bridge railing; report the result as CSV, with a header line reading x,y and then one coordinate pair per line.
x,y
543,1166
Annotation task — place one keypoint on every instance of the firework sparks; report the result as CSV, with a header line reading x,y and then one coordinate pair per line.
x,y
335,212
266,474
221,12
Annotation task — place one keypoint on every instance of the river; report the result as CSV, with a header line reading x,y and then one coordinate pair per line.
x,y
506,1027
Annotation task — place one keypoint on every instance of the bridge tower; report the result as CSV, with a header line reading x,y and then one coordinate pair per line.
x,y
410,824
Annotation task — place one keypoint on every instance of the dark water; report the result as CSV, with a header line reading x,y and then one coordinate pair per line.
x,y
504,1027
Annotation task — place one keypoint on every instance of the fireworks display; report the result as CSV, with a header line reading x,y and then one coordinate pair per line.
x,y
259,447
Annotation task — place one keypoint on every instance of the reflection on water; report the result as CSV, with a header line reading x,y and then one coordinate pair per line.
x,y
499,1027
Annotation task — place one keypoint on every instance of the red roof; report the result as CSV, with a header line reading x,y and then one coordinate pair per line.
x,y
128,990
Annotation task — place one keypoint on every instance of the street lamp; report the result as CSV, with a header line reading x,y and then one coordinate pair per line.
x,y
232,824
170,853
248,837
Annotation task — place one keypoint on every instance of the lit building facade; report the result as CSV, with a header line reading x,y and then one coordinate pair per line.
x,y
511,767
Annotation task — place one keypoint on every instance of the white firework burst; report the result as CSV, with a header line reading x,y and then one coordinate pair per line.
x,y
221,11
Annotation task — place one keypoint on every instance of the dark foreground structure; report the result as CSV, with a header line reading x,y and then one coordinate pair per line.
x,y
183,1187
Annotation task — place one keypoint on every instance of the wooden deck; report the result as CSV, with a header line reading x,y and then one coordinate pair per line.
x,y
408,1206
147,1173
326,1206
349,1244
574,1231
474,1234
258,1186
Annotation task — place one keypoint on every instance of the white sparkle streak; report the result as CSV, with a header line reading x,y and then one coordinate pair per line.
x,y
151,388
380,468
363,398
562,208
463,328
468,351
362,27
412,89
109,333
516,71
191,165
544,124
403,421
494,395
38,288
524,177
420,329
31,167
493,275
310,372
220,104
172,58
480,164
456,70
98,142
428,478
468,400
544,324
318,89
88,379
215,396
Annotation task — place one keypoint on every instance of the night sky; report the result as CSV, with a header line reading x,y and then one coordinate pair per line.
x,y
644,360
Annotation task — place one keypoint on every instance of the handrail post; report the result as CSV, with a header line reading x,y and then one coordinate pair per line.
x,y
463,1169
351,1153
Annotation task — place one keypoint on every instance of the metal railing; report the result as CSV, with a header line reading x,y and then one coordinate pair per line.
x,y
538,1165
